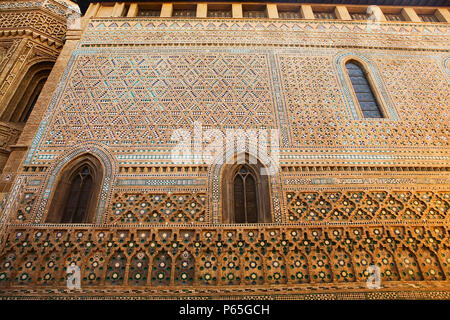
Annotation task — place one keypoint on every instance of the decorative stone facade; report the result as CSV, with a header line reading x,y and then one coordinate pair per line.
x,y
350,192
32,34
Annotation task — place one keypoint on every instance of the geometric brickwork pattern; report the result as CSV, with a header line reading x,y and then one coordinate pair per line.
x,y
368,206
139,95
149,94
131,82
296,33
157,208
235,257
319,117
140,99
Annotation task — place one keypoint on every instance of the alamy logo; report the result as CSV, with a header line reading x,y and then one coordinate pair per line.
x,y
212,146
373,21
73,277
374,279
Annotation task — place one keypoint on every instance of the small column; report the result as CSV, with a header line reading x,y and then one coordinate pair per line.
x,y
272,11
166,10
105,11
92,10
409,14
202,10
306,12
90,13
443,15
119,9
133,10
342,13
237,10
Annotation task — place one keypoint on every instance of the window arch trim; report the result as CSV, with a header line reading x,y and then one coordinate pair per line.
x,y
263,192
383,100
109,167
61,193
18,106
245,177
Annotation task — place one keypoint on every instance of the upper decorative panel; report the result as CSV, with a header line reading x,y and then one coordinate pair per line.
x,y
132,82
137,31
46,18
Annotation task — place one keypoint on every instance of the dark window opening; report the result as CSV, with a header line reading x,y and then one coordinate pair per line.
x,y
393,17
219,11
254,11
78,198
75,195
364,94
245,197
246,193
33,100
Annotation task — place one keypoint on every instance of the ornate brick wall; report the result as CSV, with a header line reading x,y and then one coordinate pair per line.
x,y
350,192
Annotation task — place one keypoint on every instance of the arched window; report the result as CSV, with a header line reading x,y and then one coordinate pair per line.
x,y
25,96
245,194
368,103
74,199
80,189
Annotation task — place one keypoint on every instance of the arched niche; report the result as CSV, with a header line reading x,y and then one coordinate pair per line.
x,y
245,193
25,96
76,192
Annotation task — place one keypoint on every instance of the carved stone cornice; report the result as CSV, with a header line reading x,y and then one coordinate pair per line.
x,y
9,133
57,7
43,20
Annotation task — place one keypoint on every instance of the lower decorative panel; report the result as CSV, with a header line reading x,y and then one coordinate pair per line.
x,y
277,262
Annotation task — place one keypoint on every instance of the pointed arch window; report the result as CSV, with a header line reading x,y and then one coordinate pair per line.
x,y
365,95
245,194
245,197
77,202
74,200
22,102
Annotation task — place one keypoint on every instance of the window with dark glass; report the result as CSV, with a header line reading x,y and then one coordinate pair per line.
x,y
76,191
77,202
245,197
364,93
245,193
